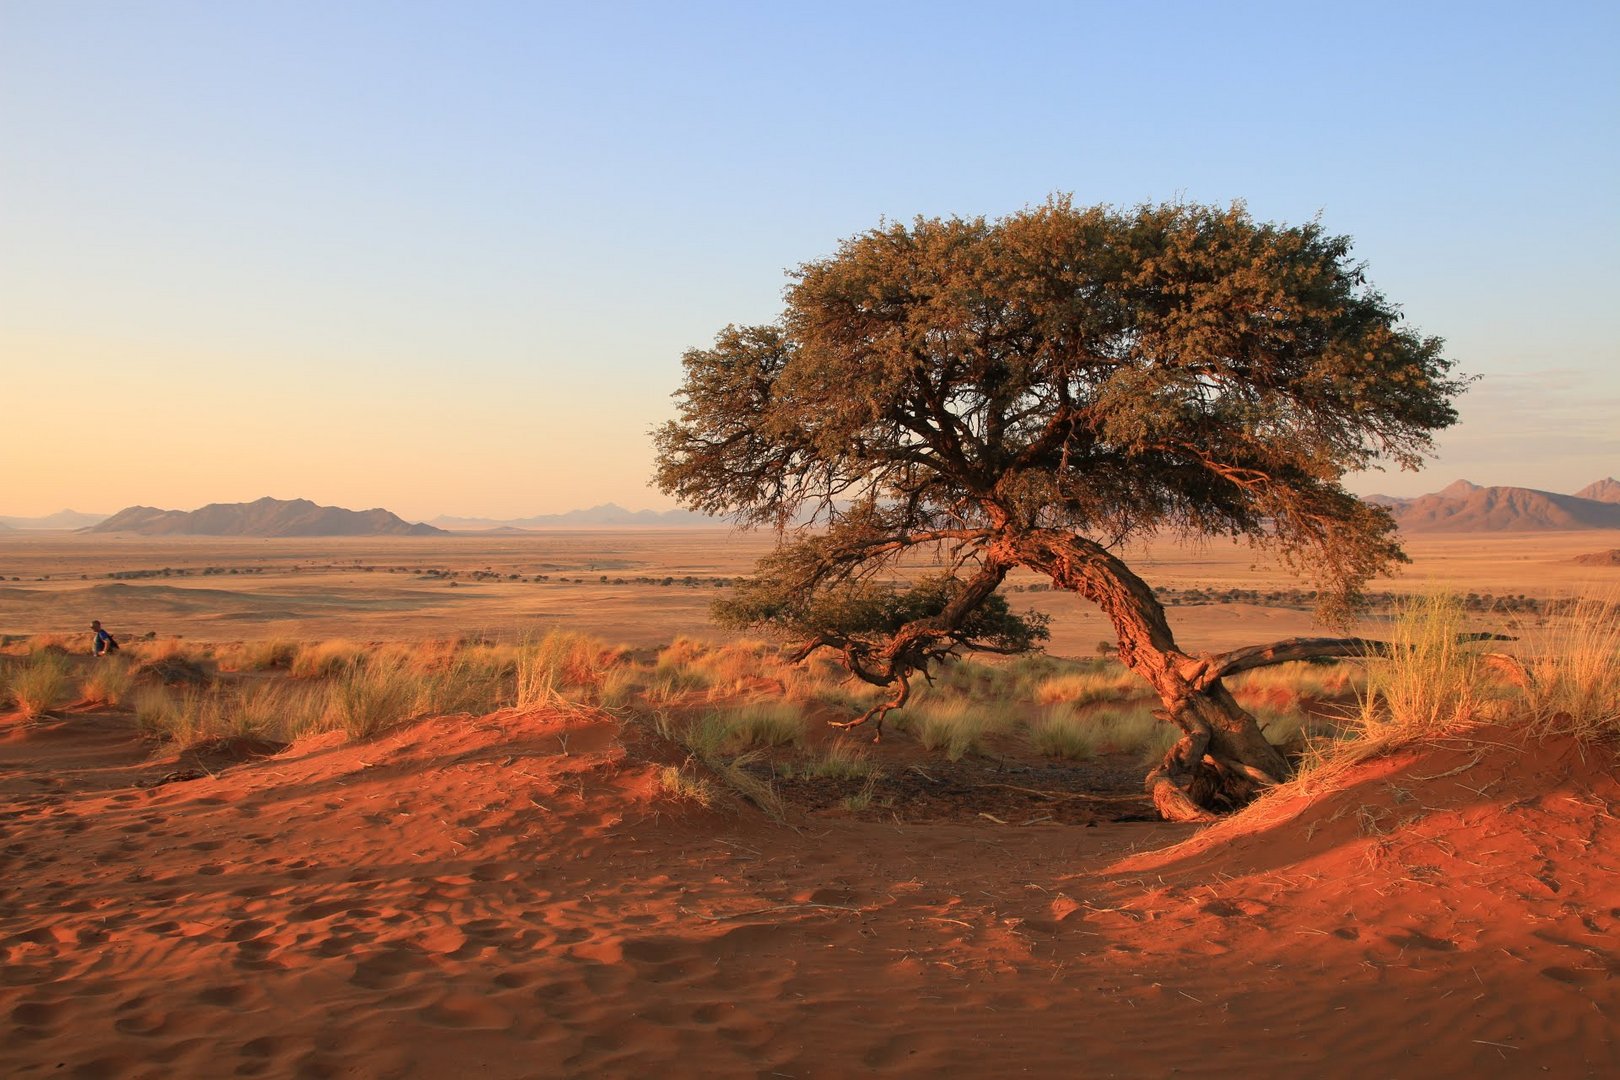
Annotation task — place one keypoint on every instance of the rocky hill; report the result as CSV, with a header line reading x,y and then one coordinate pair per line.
x,y
265,517
1466,507
1605,490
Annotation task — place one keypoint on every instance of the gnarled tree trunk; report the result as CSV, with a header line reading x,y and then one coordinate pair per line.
x,y
1222,760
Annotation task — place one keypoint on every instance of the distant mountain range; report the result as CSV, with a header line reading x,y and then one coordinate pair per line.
x,y
62,519
1459,507
1466,507
608,515
266,517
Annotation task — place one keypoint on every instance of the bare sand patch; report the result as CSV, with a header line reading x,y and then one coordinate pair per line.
x,y
516,895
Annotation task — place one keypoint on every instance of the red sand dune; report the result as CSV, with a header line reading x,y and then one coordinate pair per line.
x,y
514,896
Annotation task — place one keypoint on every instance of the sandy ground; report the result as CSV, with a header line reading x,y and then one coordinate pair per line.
x,y
515,896
611,584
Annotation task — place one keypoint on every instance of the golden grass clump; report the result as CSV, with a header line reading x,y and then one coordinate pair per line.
x,y
1430,684
168,648
256,656
367,699
675,780
562,661
1059,732
1574,681
39,683
956,725
762,723
274,712
34,643
108,682
1099,682
324,659
842,760
1285,684
1063,731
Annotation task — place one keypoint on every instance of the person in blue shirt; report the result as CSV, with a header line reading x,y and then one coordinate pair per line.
x,y
104,642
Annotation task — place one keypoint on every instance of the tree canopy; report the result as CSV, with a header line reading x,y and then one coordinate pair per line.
x,y
1040,389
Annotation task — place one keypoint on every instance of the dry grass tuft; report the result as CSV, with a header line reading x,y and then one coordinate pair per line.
x,y
679,782
956,725
109,682
1430,684
277,712
368,699
1059,732
324,659
39,683
256,656
168,648
1100,681
1574,684
567,664
842,760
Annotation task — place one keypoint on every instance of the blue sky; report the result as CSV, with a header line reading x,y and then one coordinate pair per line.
x,y
444,257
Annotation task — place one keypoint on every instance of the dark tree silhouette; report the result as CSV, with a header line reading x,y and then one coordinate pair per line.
x,y
1036,391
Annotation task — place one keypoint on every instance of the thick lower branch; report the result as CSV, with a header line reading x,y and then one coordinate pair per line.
x,y
1207,669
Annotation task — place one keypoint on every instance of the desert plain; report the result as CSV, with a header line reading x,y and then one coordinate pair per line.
x,y
523,892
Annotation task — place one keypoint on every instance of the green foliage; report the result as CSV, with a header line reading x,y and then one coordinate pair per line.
x,y
1110,374
868,612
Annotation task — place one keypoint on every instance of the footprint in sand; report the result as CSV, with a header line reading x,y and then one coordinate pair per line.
x,y
465,1012
34,1019
387,969
667,959
1416,939
247,930
1234,908
145,1023
226,996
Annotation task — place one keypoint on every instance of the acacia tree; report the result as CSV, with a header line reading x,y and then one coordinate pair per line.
x,y
1039,390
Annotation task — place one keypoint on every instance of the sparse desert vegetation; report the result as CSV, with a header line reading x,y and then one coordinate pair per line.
x,y
611,771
